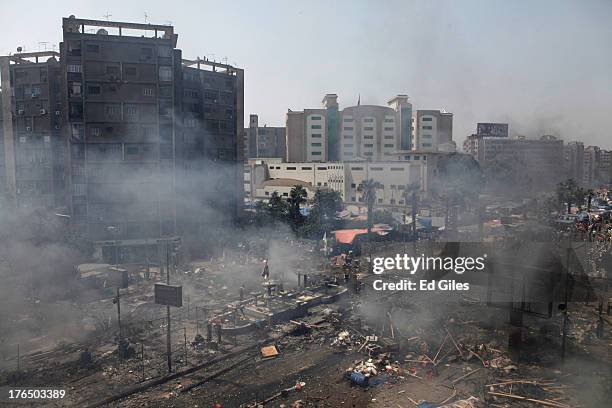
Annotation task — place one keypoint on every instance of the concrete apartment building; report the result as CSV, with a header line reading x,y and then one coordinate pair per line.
x,y
32,160
366,132
433,131
264,141
542,158
148,141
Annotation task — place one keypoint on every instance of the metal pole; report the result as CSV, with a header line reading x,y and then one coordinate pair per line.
x,y
567,270
119,314
18,358
197,324
142,360
185,335
168,344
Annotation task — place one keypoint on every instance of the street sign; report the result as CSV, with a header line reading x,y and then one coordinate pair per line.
x,y
171,295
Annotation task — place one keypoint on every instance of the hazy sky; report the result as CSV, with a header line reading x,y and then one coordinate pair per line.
x,y
543,66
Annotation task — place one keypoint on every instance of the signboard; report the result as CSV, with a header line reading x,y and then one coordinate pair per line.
x,y
492,129
170,295
117,278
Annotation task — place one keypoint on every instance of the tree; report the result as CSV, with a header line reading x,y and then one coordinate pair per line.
x,y
277,208
568,193
297,196
590,194
410,193
368,189
322,217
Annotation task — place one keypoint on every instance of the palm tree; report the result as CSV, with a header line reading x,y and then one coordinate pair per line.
x,y
297,196
368,189
410,192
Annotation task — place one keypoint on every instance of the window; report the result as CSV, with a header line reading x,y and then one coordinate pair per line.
x,y
389,128
76,68
93,48
147,91
112,110
112,70
75,89
368,137
131,150
93,90
130,71
315,118
96,131
357,168
368,154
397,169
291,168
316,153
315,126
191,93
426,144
348,136
389,145
389,120
417,157
426,119
35,91
376,168
389,137
315,135
316,144
165,73
427,127
306,168
426,136
368,128
131,111
47,139
349,145
380,200
348,128
347,120
165,91
368,120
370,145
164,51
191,123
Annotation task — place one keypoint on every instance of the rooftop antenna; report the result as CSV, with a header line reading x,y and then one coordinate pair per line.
x,y
107,16
146,17
44,44
225,60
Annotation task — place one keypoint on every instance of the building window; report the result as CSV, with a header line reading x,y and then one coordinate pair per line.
x,y
165,73
112,110
147,91
131,111
130,71
368,128
349,145
348,128
368,120
306,168
389,128
368,137
427,127
427,119
376,168
380,200
426,136
93,90
397,169
389,137
316,144
388,120
388,145
315,126
164,51
347,120
291,168
316,153
35,91
315,118
315,135
370,145
112,70
76,68
417,157
96,131
426,144
191,123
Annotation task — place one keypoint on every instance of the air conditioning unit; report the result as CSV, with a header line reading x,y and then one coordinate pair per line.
x,y
58,113
20,112
28,128
43,111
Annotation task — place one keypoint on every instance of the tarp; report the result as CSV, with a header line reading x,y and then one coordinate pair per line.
x,y
347,236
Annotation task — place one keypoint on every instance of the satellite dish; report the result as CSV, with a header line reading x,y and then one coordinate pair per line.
x,y
102,32
19,49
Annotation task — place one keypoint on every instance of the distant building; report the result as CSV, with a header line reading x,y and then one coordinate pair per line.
x,y
573,160
366,132
433,130
470,145
541,159
264,141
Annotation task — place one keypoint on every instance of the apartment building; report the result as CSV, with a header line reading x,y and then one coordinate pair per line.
x,y
367,132
573,159
483,129
32,162
264,141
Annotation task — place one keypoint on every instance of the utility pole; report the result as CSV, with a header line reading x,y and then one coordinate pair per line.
x,y
168,345
119,314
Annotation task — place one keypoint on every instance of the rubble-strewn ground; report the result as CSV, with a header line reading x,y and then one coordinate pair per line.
x,y
436,347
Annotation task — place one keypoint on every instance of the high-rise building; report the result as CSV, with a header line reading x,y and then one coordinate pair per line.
x,y
367,132
32,163
264,141
573,153
470,144
433,131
